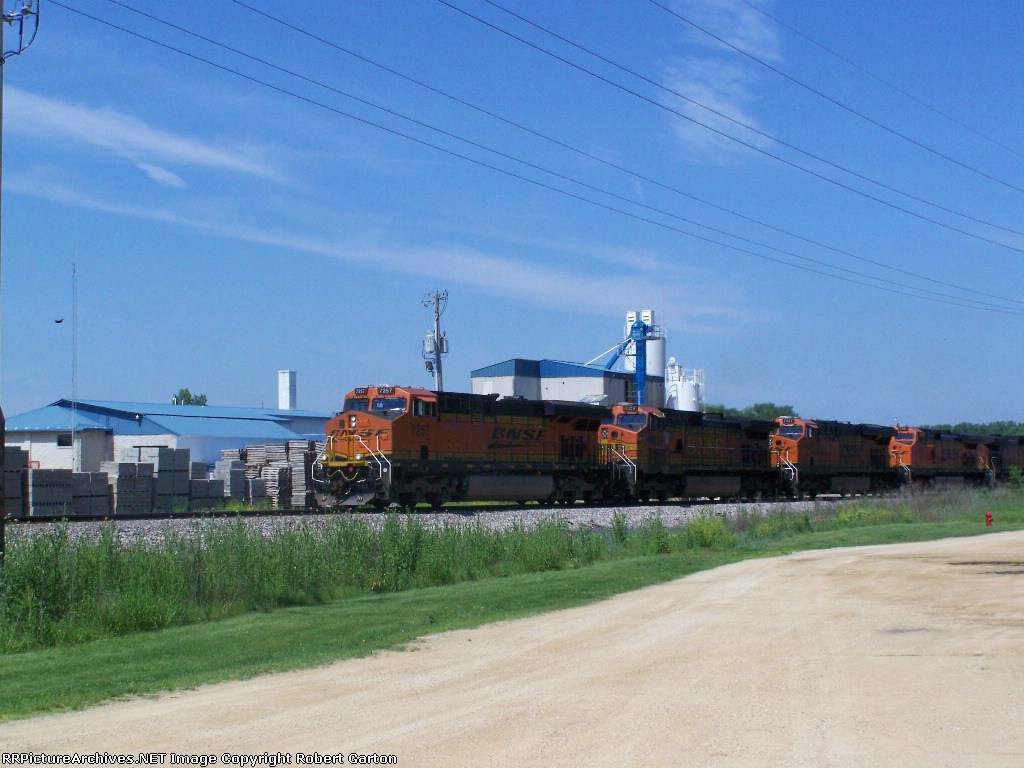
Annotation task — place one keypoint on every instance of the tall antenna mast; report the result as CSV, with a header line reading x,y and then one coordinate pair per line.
x,y
75,462
25,22
435,345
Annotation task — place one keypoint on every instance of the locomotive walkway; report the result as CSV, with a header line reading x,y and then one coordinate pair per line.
x,y
900,655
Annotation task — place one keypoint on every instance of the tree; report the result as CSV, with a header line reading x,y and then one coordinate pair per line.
x,y
184,397
766,411
985,428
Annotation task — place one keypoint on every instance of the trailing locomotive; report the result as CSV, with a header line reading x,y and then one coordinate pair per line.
x,y
406,445
832,457
651,452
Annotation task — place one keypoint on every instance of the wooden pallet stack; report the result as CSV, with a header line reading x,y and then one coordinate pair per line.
x,y
278,481
300,460
255,460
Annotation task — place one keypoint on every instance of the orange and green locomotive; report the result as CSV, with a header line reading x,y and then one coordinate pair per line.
x,y
407,445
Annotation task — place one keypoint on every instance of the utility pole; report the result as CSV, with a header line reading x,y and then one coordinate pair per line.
x,y
435,345
25,17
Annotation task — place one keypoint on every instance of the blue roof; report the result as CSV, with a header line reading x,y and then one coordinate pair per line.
x,y
160,419
202,411
514,367
556,368
52,418
262,429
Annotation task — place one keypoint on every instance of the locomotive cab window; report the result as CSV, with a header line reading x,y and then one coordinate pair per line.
x,y
389,407
905,437
631,421
423,408
794,432
357,404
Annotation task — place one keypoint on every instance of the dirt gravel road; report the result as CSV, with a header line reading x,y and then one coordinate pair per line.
x,y
908,655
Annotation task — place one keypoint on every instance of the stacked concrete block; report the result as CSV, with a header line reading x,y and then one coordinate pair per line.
x,y
15,492
49,492
199,470
123,481
231,473
257,491
199,495
145,483
206,494
90,494
171,478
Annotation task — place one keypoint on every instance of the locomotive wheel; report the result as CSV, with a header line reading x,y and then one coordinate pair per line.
x,y
379,504
407,500
435,500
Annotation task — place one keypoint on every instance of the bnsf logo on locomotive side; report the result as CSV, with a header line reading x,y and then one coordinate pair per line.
x,y
511,433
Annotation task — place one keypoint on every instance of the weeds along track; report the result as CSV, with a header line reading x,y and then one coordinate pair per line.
x,y
156,529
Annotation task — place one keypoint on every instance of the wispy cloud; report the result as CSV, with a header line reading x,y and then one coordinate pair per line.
x,y
161,175
735,22
720,79
128,137
567,288
726,88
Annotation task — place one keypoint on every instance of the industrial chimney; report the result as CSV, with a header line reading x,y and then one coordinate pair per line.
x,y
286,390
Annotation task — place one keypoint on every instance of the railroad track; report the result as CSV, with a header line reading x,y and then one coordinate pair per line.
x,y
455,510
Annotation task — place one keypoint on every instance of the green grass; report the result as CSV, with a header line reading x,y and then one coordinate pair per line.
x,y
411,581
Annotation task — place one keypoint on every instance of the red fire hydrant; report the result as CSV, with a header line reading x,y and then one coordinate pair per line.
x,y
988,518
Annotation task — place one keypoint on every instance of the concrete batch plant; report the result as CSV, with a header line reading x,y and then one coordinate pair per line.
x,y
616,380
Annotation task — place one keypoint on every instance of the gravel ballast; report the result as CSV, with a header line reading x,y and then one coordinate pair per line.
x,y
578,517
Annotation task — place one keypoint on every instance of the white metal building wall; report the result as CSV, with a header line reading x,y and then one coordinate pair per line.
x,y
92,447
508,386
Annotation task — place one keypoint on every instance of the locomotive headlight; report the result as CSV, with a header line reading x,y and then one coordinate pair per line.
x,y
359,456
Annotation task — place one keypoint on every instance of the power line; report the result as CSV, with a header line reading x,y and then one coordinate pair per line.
x,y
608,163
748,145
882,80
526,163
836,102
964,303
724,116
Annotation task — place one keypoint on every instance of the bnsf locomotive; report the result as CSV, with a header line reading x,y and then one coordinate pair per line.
x,y
405,445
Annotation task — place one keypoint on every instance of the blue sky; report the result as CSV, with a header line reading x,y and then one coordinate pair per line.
x,y
223,230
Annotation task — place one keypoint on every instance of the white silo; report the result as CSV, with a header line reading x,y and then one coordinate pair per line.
x,y
684,389
655,346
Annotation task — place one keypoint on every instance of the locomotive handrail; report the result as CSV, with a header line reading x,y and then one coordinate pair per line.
x,y
630,464
789,470
383,456
902,467
373,455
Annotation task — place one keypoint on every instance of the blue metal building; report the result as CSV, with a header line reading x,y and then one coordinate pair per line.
x,y
104,429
